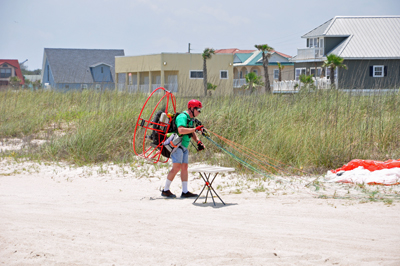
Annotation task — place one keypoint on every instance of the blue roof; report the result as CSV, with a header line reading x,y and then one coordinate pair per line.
x,y
243,57
73,65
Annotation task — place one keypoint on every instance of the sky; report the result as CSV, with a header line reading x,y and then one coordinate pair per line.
x,y
167,26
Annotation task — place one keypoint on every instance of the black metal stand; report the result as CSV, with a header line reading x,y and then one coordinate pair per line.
x,y
210,189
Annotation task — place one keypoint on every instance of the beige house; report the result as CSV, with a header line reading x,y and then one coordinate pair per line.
x,y
180,73
246,61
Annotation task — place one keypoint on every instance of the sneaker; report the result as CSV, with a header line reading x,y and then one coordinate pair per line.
x,y
168,194
188,195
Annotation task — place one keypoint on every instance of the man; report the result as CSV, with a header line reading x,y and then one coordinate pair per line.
x,y
180,158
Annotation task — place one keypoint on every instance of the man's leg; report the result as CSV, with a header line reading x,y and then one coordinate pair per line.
x,y
176,167
176,158
184,177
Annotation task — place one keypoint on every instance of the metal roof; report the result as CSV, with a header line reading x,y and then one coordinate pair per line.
x,y
318,31
372,37
255,58
73,65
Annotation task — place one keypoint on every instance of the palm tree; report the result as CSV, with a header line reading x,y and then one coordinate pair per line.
x,y
252,79
211,87
307,81
281,67
207,54
333,61
266,53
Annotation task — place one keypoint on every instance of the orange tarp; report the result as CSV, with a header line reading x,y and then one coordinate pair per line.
x,y
369,165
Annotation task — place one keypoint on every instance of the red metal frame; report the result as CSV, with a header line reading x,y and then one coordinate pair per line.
x,y
154,153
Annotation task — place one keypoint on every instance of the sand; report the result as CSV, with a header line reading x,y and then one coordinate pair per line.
x,y
58,214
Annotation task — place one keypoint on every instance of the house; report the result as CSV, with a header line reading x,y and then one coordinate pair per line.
x,y
68,69
370,47
246,61
10,68
180,73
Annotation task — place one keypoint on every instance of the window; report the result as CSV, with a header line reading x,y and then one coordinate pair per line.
x,y
328,73
67,86
313,42
312,72
5,72
196,74
276,73
299,71
84,86
101,69
255,71
98,86
223,74
378,71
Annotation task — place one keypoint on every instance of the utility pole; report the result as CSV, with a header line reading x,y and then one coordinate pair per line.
x,y
189,48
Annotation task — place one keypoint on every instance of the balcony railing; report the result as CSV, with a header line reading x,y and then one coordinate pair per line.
x,y
155,86
293,85
237,83
132,88
309,53
172,87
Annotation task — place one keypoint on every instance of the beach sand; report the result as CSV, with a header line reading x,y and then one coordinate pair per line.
x,y
56,214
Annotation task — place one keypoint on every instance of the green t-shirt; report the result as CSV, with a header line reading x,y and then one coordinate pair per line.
x,y
182,120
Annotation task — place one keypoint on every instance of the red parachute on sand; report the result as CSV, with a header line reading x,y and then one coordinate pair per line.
x,y
369,165
367,171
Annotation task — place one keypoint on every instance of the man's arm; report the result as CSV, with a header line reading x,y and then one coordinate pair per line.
x,y
184,131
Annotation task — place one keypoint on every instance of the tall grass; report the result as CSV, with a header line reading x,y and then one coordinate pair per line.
x,y
316,131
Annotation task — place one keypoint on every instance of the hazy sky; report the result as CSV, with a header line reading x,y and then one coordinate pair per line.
x,y
151,27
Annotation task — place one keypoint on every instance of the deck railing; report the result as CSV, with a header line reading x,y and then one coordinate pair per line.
x,y
309,53
237,83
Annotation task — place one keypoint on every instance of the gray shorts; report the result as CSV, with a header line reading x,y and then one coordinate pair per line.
x,y
181,155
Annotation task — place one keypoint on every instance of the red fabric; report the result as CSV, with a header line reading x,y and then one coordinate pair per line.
x,y
233,51
369,165
14,63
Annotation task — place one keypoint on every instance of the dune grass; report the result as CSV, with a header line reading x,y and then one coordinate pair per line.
x,y
316,131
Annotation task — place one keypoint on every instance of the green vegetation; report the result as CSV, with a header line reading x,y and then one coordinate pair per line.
x,y
332,62
307,81
15,81
266,54
316,131
252,81
211,87
207,54
280,67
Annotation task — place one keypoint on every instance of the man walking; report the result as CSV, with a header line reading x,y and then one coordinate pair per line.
x,y
180,158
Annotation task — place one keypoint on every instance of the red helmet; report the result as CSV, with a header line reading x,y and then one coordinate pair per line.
x,y
194,103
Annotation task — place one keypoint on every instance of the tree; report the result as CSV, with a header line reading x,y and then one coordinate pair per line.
x,y
211,87
15,81
252,79
207,54
266,54
281,67
307,81
37,84
332,62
